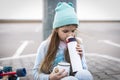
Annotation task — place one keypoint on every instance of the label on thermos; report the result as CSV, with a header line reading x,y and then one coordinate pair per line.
x,y
74,56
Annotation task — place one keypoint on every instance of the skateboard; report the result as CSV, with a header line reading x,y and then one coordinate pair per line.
x,y
6,73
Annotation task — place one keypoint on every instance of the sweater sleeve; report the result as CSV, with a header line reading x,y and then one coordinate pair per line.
x,y
40,56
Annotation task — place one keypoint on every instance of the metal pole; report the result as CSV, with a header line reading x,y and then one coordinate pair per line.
x,y
49,6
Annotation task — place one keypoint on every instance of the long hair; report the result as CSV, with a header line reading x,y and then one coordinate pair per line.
x,y
51,52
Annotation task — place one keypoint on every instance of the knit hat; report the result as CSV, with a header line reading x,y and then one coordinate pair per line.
x,y
64,15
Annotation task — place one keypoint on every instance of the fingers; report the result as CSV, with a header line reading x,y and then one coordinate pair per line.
x,y
79,49
59,75
62,73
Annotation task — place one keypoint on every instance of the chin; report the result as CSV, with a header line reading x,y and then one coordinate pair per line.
x,y
63,40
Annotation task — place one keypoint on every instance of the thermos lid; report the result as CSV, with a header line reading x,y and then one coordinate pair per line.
x,y
70,39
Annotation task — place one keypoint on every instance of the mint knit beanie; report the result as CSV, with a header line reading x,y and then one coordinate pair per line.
x,y
64,15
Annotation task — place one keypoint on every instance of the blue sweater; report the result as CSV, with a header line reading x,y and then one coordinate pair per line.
x,y
59,57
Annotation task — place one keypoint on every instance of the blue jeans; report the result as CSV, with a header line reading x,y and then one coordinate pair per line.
x,y
80,75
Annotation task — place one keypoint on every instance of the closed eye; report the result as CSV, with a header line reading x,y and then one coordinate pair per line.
x,y
73,30
65,31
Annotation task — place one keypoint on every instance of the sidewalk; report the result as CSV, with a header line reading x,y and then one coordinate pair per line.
x,y
103,68
100,67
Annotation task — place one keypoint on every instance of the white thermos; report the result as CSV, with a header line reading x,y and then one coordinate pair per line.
x,y
74,56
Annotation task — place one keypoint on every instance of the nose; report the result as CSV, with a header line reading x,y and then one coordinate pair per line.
x,y
70,35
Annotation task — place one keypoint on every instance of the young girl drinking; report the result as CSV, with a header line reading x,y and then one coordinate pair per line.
x,y
54,49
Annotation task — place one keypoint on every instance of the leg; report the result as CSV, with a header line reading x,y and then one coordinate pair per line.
x,y
69,78
84,75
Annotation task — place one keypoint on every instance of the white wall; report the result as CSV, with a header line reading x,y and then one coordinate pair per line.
x,y
86,9
98,9
21,9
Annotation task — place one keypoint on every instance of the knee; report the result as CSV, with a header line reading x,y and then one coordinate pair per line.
x,y
84,75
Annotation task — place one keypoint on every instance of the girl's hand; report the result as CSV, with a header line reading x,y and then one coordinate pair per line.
x,y
79,49
58,76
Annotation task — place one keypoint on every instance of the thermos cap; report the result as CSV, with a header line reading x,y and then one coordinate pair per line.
x,y
70,39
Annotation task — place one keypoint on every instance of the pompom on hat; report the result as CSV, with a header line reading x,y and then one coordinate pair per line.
x,y
64,15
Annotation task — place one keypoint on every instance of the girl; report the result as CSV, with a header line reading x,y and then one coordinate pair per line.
x,y
54,49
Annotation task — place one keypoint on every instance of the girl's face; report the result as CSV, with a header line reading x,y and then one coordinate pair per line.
x,y
66,31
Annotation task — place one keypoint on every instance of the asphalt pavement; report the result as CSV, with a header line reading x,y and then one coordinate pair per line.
x,y
103,68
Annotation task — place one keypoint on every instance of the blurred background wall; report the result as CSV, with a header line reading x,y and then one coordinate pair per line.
x,y
33,9
21,9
